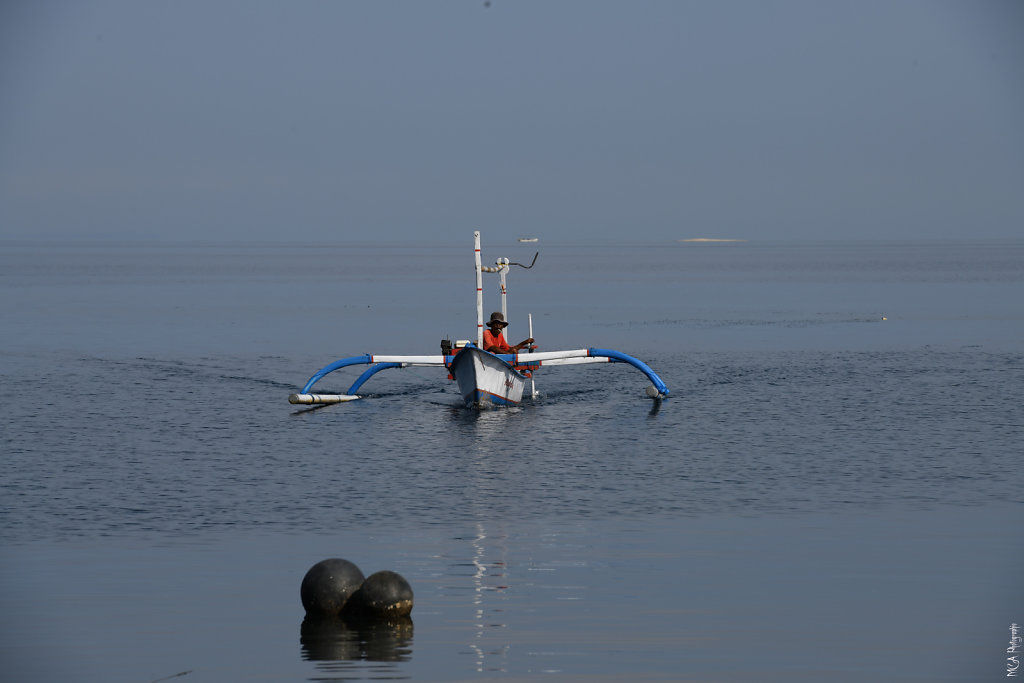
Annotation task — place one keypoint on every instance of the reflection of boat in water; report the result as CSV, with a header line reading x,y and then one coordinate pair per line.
x,y
490,645
484,378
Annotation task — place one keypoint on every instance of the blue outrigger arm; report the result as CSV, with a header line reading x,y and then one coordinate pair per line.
x,y
579,357
526,361
370,372
377,364
382,363
619,357
336,365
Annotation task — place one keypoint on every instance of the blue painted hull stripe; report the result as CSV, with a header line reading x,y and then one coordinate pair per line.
x,y
494,398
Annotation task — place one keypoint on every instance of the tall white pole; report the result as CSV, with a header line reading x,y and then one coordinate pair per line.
x,y
502,269
479,292
533,387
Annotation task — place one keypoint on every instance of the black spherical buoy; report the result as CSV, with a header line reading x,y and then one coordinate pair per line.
x,y
383,594
328,585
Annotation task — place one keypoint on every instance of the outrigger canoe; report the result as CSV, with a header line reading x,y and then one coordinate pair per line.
x,y
484,378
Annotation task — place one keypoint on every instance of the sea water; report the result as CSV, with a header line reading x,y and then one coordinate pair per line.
x,y
832,490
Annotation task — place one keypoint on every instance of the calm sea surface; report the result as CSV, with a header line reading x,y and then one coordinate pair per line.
x,y
833,490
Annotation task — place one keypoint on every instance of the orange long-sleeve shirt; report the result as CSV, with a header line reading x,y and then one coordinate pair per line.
x,y
492,339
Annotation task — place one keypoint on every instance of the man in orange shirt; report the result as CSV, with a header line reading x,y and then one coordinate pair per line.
x,y
495,342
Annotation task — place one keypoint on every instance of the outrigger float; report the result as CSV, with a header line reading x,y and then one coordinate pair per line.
x,y
483,378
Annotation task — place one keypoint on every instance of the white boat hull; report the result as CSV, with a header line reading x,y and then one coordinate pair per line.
x,y
484,379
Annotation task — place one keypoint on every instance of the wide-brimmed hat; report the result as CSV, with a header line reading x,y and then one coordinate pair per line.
x,y
497,320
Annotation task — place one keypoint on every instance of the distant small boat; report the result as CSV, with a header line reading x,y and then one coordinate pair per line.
x,y
528,239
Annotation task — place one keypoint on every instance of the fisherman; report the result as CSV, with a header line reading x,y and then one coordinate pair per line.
x,y
495,342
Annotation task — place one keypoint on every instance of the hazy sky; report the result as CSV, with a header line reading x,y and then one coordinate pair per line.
x,y
636,120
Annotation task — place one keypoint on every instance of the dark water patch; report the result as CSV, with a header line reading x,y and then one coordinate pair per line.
x,y
178,447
